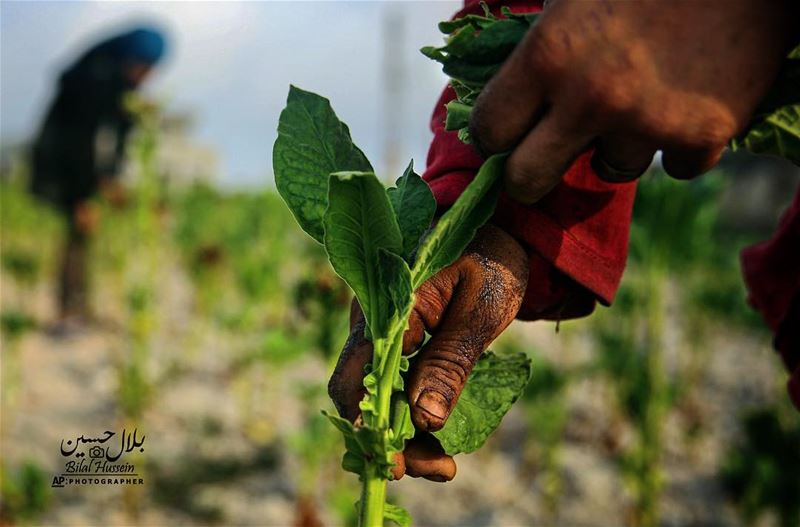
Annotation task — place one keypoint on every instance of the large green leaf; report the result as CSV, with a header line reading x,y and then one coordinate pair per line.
x,y
358,222
456,228
312,143
414,206
493,386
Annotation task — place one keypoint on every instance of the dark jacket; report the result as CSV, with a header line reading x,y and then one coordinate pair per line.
x,y
87,113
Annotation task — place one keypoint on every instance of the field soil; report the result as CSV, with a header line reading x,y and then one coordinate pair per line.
x,y
218,441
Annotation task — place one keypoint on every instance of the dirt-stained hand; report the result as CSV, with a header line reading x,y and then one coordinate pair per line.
x,y
464,308
631,78
86,217
113,192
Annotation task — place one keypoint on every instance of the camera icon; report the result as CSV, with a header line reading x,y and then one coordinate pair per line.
x,y
96,452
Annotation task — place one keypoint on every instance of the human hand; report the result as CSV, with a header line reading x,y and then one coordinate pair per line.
x,y
86,216
113,192
464,307
630,78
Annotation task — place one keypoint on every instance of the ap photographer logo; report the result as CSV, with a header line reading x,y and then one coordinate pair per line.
x,y
100,460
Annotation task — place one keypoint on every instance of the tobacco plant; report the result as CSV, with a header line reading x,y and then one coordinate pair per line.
x,y
380,241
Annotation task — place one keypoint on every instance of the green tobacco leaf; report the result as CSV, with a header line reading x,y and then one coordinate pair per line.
x,y
476,21
456,228
402,426
312,143
359,221
466,95
530,18
360,443
777,134
477,46
395,280
368,404
493,386
457,115
473,75
396,514
414,207
493,44
775,126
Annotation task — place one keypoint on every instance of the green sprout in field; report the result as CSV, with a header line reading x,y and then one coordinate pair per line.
x,y
760,475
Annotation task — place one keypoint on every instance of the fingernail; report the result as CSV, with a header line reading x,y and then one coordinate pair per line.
x,y
434,403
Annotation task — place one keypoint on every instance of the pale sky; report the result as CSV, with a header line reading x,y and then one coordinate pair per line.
x,y
230,64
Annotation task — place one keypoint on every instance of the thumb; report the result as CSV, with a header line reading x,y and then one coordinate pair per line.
x,y
441,370
484,303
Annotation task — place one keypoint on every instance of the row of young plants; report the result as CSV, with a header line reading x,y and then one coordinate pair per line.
x,y
318,294
24,484
271,302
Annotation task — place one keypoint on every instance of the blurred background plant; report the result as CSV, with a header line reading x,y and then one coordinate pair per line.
x,y
760,471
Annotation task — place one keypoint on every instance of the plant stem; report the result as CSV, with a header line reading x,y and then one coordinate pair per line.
x,y
373,491
389,369
384,396
373,496
655,408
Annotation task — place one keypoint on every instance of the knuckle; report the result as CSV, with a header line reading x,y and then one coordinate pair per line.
x,y
448,371
604,97
483,128
615,98
518,174
433,296
548,46
657,120
428,298
521,180
717,131
694,128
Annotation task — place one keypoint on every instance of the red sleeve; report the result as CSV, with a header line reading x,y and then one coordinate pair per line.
x,y
772,273
577,236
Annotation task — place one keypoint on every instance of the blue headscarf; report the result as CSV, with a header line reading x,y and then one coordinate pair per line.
x,y
142,45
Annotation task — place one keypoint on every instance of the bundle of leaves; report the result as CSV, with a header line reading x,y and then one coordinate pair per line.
x,y
475,48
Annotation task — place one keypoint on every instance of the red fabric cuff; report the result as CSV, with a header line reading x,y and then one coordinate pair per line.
x,y
772,273
577,235
580,228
